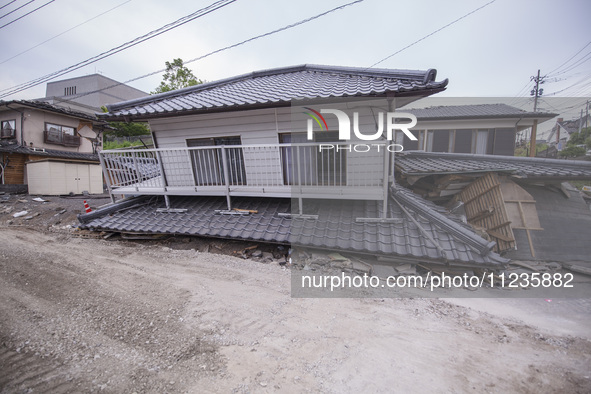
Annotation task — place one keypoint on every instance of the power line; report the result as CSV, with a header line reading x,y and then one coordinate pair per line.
x,y
188,18
576,84
28,13
222,49
570,58
576,64
64,32
16,9
430,34
7,4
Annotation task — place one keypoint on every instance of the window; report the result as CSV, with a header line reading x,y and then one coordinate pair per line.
x,y
307,165
69,91
8,129
60,135
480,142
208,164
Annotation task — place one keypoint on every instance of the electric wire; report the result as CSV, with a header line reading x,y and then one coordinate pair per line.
x,y
290,26
188,18
28,13
7,4
430,34
16,9
64,32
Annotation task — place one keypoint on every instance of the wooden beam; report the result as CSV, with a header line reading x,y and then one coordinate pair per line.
x,y
500,236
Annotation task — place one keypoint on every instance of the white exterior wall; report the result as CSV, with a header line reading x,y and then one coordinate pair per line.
x,y
261,127
54,178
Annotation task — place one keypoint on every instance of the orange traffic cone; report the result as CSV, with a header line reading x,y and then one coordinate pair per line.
x,y
87,207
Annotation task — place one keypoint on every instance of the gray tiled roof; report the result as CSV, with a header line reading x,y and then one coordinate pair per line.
x,y
51,108
336,227
15,148
475,111
428,163
278,87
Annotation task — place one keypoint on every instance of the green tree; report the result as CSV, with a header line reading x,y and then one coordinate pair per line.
x,y
578,144
177,76
572,151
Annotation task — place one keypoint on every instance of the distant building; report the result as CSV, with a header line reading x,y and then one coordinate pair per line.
x,y
488,129
89,93
563,130
48,148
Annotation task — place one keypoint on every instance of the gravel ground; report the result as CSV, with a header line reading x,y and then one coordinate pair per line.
x,y
83,314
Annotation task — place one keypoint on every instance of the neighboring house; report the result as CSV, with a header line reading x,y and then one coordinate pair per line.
x,y
231,162
521,203
89,93
49,148
481,129
564,129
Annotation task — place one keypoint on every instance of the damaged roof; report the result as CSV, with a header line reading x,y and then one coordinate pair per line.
x,y
475,111
279,86
418,163
416,231
15,148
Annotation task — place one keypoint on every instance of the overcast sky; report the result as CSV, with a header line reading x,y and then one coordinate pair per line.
x,y
492,52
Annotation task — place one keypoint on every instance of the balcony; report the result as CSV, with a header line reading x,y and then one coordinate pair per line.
x,y
279,170
57,137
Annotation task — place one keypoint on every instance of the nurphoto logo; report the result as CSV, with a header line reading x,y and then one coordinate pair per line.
x,y
344,121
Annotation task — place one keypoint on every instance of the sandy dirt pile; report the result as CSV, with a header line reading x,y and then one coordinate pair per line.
x,y
92,315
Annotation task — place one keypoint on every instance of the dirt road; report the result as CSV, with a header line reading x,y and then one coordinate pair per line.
x,y
88,315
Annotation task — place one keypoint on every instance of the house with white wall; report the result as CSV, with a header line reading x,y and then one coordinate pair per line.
x,y
52,150
489,129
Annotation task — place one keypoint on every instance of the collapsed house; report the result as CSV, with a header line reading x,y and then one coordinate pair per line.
x,y
522,204
230,161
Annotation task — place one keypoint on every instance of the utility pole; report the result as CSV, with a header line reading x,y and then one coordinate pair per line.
x,y
536,92
587,114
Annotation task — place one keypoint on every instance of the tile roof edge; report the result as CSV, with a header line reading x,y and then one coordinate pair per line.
x,y
499,158
409,199
41,105
426,77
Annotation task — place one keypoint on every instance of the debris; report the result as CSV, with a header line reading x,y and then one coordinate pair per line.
x,y
141,236
232,212
337,257
257,253
405,269
524,265
39,199
32,216
19,214
245,210
170,210
579,269
23,201
362,267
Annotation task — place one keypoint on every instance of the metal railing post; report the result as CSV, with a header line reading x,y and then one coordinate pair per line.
x,y
385,183
162,174
106,176
226,176
137,170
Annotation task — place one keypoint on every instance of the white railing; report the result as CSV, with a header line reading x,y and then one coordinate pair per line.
x,y
281,170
